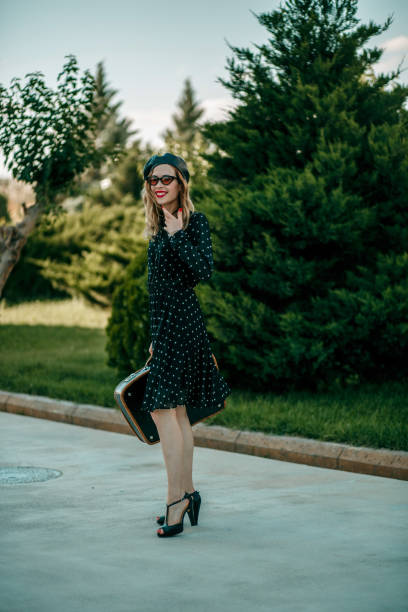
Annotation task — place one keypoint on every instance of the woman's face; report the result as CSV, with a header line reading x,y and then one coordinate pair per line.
x,y
165,195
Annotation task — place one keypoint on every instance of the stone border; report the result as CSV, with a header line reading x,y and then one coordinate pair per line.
x,y
377,462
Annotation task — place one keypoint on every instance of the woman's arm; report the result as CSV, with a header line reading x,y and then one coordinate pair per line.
x,y
196,252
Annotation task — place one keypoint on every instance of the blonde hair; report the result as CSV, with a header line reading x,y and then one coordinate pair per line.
x,y
152,208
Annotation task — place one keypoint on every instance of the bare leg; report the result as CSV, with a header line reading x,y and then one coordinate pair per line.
x,y
171,440
188,448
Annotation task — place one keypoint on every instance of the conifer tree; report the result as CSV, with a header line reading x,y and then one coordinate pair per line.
x,y
87,251
185,138
311,222
112,130
186,120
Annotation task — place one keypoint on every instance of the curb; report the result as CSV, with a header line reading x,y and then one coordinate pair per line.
x,y
376,462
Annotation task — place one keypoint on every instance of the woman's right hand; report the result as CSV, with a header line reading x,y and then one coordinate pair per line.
x,y
151,348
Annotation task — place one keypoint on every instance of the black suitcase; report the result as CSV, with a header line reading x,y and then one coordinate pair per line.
x,y
129,394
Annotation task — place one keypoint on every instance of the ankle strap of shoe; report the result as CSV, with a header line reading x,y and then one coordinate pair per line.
x,y
175,502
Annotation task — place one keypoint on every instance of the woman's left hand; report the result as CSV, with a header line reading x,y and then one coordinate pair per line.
x,y
173,224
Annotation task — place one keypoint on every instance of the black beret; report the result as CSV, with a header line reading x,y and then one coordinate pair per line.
x,y
167,158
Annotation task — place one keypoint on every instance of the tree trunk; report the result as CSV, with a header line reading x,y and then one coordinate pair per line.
x,y
12,240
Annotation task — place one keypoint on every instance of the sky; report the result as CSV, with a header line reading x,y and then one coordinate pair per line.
x,y
148,49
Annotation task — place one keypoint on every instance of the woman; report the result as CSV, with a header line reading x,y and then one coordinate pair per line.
x,y
184,384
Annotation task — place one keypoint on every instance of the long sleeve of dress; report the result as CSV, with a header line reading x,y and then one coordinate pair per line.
x,y
195,252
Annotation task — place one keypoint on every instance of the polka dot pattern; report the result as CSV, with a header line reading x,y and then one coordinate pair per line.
x,y
182,369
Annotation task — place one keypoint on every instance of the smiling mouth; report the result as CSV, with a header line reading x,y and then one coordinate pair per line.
x,y
160,194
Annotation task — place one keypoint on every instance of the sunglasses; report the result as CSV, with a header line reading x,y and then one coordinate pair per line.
x,y
166,179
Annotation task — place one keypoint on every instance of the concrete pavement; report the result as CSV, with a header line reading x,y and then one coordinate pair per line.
x,y
272,535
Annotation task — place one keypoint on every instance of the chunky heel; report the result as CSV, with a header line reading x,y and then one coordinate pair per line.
x,y
194,507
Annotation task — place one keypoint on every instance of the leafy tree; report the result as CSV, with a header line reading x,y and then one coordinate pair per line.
x,y
48,138
311,219
85,251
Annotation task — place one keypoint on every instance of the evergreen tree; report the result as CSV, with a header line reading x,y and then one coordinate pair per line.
x,y
87,251
111,127
125,179
186,120
185,138
111,130
311,221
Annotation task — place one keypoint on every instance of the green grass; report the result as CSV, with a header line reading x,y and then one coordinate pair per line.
x,y
61,362
57,349
368,415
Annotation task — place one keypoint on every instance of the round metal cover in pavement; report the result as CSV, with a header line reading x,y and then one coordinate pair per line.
x,y
23,475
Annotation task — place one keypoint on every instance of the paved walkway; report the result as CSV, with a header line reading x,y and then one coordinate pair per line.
x,y
272,536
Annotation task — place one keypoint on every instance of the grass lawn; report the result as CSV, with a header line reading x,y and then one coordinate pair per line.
x,y
57,349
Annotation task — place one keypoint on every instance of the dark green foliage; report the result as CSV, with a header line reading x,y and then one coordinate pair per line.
x,y
308,79
83,253
128,328
311,224
26,284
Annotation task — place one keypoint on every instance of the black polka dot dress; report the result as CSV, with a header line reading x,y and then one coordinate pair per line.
x,y
182,369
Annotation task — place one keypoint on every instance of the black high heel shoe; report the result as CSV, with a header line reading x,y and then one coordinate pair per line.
x,y
171,530
193,508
